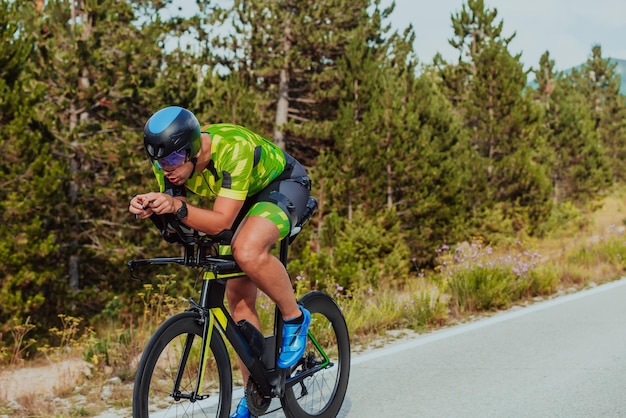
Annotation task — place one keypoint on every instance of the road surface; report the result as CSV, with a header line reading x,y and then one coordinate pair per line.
x,y
565,357
561,358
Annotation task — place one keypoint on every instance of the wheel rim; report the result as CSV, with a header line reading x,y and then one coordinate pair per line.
x,y
322,393
155,394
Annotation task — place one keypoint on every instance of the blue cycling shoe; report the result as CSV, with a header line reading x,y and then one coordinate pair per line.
x,y
294,340
242,409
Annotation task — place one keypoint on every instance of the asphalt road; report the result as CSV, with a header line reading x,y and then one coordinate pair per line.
x,y
565,357
561,358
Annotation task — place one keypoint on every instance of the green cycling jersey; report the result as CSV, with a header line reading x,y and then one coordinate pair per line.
x,y
242,164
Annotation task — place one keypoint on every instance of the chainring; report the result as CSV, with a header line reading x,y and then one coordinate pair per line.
x,y
257,403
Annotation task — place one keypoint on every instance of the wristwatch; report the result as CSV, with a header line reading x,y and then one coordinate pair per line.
x,y
182,212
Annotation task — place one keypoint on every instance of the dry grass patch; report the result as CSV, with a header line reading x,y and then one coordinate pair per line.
x,y
56,378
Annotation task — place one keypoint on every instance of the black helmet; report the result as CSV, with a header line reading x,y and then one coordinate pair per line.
x,y
170,130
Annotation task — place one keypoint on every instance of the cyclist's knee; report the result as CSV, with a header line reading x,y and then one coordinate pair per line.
x,y
254,241
248,254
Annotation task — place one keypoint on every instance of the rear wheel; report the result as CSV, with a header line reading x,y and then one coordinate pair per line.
x,y
326,359
166,380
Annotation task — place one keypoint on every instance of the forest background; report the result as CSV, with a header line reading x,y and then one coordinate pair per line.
x,y
408,159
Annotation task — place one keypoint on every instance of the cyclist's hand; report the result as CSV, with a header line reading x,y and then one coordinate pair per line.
x,y
160,203
140,205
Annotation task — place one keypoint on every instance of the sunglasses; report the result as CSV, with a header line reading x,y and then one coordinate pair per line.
x,y
173,160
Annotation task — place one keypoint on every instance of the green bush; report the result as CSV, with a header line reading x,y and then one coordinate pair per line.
x,y
543,280
610,250
481,288
424,310
477,279
365,252
565,220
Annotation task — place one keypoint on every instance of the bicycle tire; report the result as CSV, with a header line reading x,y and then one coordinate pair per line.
x,y
321,395
157,370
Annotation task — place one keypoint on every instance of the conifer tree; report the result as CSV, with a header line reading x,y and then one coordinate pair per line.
x,y
487,86
357,159
28,179
580,169
288,50
600,83
93,68
546,79
433,170
399,148
83,154
229,98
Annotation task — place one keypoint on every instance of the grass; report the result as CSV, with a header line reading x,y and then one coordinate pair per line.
x,y
470,279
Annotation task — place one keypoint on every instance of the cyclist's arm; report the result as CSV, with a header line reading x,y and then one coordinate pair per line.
x,y
213,221
234,165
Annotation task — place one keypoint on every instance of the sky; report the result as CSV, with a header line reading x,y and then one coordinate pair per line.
x,y
568,29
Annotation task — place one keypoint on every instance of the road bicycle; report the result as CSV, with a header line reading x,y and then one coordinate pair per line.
x,y
185,369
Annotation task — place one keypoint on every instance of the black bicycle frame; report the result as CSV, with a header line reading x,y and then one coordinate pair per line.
x,y
263,370
217,270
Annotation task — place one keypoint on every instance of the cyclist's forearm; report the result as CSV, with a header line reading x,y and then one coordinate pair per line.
x,y
206,220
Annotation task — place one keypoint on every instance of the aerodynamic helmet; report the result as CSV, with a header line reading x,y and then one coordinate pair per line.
x,y
172,132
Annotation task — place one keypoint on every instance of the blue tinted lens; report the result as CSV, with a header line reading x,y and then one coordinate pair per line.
x,y
174,159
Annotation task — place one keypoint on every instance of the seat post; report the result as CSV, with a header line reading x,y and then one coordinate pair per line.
x,y
284,250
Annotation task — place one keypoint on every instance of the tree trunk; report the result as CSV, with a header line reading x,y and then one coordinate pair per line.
x,y
74,273
282,107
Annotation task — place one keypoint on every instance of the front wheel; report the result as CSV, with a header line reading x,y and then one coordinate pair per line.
x,y
167,375
326,363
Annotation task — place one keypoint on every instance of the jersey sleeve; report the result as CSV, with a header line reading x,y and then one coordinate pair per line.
x,y
236,170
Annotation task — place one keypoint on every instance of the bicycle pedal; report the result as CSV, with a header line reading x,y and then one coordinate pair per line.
x,y
255,339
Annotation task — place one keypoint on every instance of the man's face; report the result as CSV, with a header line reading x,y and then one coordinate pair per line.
x,y
176,167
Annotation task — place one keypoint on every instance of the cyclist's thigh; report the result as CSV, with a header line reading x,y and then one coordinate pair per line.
x,y
283,203
291,194
297,192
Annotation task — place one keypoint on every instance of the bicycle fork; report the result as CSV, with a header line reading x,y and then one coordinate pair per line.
x,y
208,323
207,330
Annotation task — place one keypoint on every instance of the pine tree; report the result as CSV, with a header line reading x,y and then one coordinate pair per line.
x,y
288,50
487,86
579,167
435,172
93,69
546,79
228,98
29,175
357,160
83,157
600,83
398,147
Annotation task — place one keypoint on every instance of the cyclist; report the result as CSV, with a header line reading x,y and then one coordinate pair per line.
x,y
261,192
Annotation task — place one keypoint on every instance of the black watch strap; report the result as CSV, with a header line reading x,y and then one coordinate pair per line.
x,y
181,213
